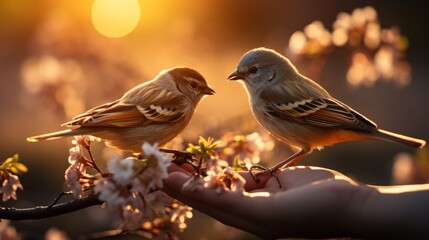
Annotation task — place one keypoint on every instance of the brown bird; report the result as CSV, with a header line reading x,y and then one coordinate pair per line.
x,y
155,111
298,111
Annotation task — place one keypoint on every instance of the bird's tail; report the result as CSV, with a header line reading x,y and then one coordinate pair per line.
x,y
54,135
398,138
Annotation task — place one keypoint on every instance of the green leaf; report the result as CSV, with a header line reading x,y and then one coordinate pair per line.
x,y
12,165
14,158
215,144
14,170
203,143
206,147
237,165
193,149
21,167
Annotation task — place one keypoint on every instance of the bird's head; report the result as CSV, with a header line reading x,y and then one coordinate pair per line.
x,y
261,66
190,82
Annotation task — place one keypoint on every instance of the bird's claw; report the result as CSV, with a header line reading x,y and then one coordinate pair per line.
x,y
264,170
182,157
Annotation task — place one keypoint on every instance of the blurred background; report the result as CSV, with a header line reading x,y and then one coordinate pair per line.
x,y
60,58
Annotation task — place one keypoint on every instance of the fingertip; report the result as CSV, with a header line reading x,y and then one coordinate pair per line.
x,y
177,177
173,168
182,168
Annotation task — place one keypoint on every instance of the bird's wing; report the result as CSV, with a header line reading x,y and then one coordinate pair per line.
x,y
94,110
322,112
126,114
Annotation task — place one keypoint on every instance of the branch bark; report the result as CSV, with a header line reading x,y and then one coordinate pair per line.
x,y
40,212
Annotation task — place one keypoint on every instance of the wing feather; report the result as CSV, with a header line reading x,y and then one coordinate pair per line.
x,y
322,112
153,106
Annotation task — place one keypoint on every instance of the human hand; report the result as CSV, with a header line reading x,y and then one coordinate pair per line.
x,y
312,202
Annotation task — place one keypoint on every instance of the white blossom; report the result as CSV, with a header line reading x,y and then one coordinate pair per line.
x,y
109,193
237,182
214,181
9,187
129,187
227,180
122,169
158,163
85,140
72,179
76,176
150,150
75,154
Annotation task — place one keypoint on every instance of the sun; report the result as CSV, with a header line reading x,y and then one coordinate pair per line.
x,y
115,18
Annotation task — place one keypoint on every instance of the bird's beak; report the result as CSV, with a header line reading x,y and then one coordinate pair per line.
x,y
208,91
235,76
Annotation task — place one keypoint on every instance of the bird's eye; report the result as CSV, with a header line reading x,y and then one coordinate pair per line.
x,y
193,84
253,70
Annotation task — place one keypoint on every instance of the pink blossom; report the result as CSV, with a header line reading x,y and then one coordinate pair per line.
x,y
237,182
158,163
76,176
9,187
122,169
72,179
214,181
227,180
109,193
75,154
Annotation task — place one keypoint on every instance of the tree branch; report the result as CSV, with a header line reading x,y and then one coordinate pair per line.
x,y
49,211
55,209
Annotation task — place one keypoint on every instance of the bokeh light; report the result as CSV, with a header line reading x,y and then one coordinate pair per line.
x,y
115,18
375,53
297,42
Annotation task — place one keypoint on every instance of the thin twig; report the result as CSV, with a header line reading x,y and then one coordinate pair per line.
x,y
58,198
200,163
40,212
62,194
92,158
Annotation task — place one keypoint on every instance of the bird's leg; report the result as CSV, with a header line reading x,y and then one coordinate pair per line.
x,y
292,160
276,168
